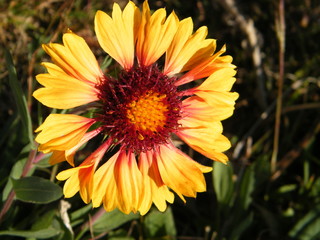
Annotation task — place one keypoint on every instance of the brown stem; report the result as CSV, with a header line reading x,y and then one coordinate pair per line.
x,y
93,219
7,205
28,165
281,39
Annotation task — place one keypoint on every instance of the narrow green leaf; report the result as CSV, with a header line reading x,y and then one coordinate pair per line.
x,y
270,219
246,187
9,125
120,234
287,188
106,63
43,233
308,227
158,224
19,97
238,229
121,238
44,221
112,220
222,182
36,190
81,212
315,188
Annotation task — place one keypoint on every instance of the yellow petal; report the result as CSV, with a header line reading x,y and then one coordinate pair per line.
x,y
116,35
206,67
105,185
208,46
155,34
129,180
64,92
57,157
220,81
69,154
187,50
80,64
219,99
82,176
61,176
179,172
79,179
71,186
204,137
214,93
118,184
53,69
199,109
86,174
62,131
154,189
80,50
86,183
182,35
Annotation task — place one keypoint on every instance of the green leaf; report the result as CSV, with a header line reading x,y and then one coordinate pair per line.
x,y
112,220
9,125
19,97
222,182
158,224
106,63
43,233
16,170
308,227
238,229
44,221
246,187
81,212
315,188
15,174
36,190
121,238
119,234
287,188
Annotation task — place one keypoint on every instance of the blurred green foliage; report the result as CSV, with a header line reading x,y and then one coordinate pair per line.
x,y
246,199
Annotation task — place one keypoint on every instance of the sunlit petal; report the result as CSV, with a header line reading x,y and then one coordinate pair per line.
x,y
117,34
62,131
179,172
155,34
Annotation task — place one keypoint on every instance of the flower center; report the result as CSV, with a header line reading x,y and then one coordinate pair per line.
x,y
148,112
140,108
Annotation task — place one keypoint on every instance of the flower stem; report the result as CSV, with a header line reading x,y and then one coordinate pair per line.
x,y
28,165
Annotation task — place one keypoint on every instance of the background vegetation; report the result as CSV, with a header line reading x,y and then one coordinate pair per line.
x,y
271,188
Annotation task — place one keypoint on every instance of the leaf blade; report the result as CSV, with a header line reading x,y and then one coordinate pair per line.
x,y
43,233
36,190
19,98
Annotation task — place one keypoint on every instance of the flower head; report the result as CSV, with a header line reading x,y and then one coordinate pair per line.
x,y
138,110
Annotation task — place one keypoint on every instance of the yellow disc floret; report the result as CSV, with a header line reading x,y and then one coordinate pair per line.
x,y
148,112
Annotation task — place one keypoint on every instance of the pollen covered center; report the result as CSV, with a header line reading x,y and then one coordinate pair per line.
x,y
148,112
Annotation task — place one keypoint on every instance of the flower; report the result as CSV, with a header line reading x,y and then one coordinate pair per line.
x,y
138,109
